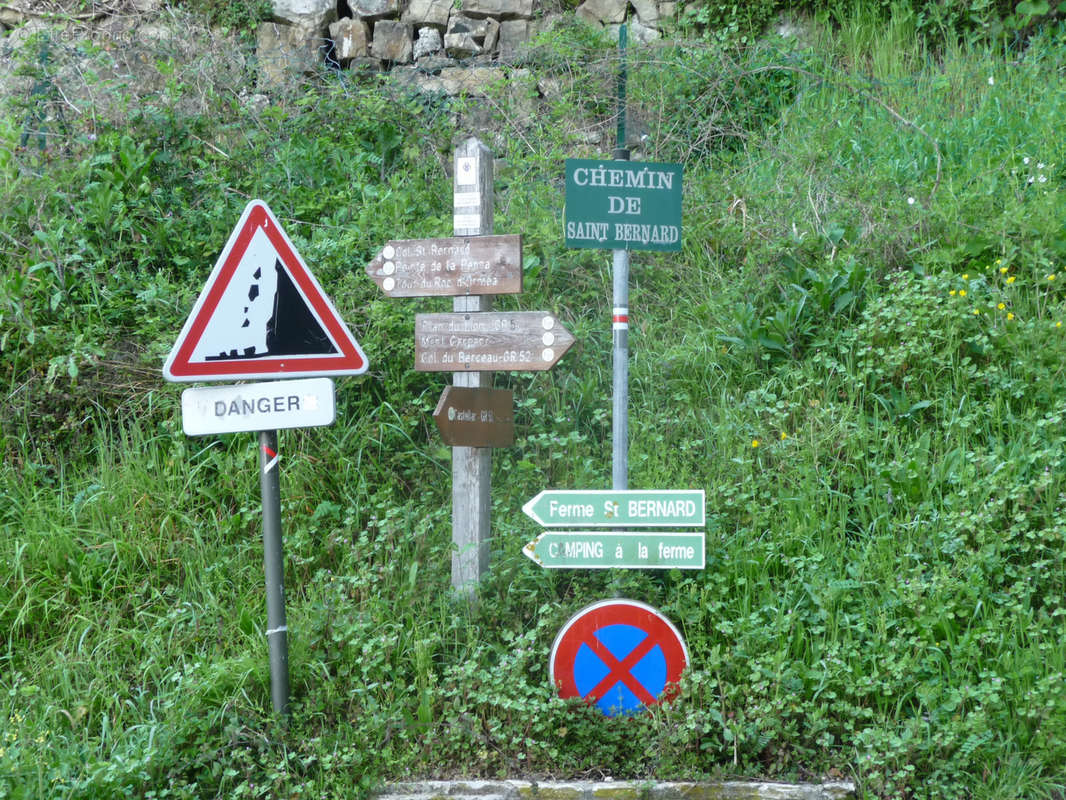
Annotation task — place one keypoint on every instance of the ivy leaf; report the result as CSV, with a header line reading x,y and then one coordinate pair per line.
x,y
1033,8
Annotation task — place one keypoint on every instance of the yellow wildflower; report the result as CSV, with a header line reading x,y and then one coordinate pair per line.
x,y
1010,316
1001,306
1002,270
1010,279
754,442
962,292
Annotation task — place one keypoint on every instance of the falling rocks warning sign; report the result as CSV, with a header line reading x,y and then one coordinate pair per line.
x,y
262,314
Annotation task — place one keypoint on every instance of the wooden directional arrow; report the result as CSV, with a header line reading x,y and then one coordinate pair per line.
x,y
451,267
476,417
517,341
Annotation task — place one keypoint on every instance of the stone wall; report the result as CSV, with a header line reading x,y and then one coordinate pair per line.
x,y
451,47
427,38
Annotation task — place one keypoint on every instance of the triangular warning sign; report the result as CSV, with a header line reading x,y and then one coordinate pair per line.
x,y
262,314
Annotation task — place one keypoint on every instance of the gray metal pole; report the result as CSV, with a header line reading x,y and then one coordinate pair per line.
x,y
620,315
277,632
620,395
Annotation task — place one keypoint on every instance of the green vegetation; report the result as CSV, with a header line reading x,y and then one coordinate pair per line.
x,y
940,22
858,355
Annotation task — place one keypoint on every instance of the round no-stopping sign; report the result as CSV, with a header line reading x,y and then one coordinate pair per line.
x,y
620,655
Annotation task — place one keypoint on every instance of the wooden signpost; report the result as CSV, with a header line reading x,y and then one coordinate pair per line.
x,y
471,267
520,341
473,202
475,417
449,267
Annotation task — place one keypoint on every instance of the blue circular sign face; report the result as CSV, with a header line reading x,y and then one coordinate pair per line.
x,y
618,655
630,689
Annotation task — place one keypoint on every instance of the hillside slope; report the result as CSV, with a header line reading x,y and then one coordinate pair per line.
x,y
857,355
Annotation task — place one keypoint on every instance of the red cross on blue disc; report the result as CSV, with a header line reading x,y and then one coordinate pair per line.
x,y
620,655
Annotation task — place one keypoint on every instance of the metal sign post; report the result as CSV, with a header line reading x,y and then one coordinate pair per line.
x,y
262,314
621,206
277,632
620,393
620,314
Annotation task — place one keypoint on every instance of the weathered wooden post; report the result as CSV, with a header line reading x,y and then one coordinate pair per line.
x,y
472,341
471,466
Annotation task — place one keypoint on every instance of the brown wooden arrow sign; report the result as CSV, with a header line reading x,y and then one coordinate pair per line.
x,y
475,417
452,267
510,341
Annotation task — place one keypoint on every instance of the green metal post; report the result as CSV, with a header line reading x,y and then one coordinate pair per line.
x,y
621,152
620,312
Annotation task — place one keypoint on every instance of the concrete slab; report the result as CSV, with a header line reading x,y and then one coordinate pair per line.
x,y
616,790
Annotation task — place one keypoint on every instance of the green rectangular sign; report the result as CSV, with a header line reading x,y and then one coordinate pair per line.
x,y
609,550
607,508
622,205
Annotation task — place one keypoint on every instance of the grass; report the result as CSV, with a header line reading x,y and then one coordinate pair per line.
x,y
858,355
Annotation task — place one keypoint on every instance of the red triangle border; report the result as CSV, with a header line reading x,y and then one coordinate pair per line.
x,y
351,359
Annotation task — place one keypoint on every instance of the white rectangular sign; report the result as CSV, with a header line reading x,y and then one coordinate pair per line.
x,y
268,406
